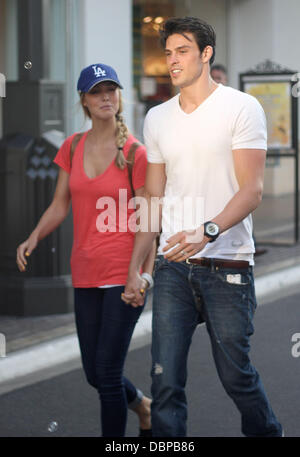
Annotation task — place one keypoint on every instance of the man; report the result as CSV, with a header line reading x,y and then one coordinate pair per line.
x,y
209,143
219,74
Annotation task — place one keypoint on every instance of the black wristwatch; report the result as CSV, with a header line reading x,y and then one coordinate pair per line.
x,y
211,230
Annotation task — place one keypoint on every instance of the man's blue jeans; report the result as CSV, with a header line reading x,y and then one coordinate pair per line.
x,y
183,293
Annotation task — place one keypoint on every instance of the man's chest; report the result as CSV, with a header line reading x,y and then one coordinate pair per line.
x,y
200,139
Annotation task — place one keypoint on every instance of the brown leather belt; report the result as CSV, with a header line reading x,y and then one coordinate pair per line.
x,y
221,263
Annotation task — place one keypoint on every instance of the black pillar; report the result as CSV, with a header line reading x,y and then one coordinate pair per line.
x,y
30,39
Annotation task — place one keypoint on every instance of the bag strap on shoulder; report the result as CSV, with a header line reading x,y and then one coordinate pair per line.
x,y
74,144
130,163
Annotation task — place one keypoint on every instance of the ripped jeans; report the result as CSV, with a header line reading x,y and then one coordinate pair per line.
x,y
185,294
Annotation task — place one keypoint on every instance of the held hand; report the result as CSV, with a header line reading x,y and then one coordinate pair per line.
x,y
188,243
24,250
134,291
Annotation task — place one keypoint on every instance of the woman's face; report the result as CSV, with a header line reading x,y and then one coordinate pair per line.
x,y
103,100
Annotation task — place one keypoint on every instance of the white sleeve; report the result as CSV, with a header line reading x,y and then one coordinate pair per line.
x,y
153,152
250,130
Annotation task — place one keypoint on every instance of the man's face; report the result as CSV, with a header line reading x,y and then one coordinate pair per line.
x,y
184,60
219,76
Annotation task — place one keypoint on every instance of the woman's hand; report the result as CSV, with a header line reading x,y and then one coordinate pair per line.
x,y
24,250
135,291
50,220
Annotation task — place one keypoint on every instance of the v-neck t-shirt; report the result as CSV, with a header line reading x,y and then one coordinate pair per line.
x,y
196,149
103,217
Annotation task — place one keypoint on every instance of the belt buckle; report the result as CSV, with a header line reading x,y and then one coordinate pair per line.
x,y
187,261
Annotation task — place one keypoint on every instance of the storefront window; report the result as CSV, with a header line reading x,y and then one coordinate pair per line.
x,y
151,79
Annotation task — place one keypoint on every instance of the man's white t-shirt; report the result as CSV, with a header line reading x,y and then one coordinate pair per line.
x,y
196,149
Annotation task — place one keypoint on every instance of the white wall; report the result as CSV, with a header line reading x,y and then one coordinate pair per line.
x,y
8,44
107,38
11,37
57,40
260,30
2,21
213,12
2,68
286,49
250,35
74,62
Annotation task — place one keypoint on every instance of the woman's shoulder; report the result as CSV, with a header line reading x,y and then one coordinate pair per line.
x,y
68,140
141,149
67,143
74,135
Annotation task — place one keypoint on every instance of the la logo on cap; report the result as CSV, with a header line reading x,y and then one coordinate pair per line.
x,y
98,71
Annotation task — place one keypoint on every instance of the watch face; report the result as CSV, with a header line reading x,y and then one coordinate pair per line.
x,y
212,229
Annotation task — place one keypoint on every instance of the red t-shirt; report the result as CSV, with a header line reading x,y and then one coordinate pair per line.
x,y
101,257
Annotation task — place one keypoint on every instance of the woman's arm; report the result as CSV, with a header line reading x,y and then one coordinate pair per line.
x,y
50,220
148,264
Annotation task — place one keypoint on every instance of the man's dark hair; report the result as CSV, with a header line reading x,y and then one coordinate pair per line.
x,y
203,33
219,67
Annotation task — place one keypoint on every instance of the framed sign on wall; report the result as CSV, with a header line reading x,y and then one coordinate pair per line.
x,y
272,85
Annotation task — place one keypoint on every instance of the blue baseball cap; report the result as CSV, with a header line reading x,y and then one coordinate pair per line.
x,y
95,74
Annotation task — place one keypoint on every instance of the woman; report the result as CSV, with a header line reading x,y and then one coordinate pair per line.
x,y
94,174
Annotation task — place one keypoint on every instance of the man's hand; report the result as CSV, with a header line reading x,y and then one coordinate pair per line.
x,y
188,243
135,289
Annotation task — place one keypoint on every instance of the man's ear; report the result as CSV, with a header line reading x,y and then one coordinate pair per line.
x,y
207,54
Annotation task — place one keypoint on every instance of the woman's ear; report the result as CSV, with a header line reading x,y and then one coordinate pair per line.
x,y
82,100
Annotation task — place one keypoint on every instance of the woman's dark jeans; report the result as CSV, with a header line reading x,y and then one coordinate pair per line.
x,y
105,325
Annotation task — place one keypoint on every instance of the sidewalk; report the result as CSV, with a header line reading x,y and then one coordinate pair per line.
x,y
23,332
36,343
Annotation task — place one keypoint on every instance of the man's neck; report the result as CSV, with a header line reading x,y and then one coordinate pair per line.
x,y
192,96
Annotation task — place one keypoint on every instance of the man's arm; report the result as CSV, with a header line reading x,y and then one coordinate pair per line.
x,y
148,264
154,190
249,167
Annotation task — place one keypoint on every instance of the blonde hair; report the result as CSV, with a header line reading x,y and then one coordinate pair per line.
x,y
122,131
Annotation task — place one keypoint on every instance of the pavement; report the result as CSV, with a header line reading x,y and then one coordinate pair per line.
x,y
65,405
37,347
43,360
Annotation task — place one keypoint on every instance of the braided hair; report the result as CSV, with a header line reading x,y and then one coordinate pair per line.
x,y
122,135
